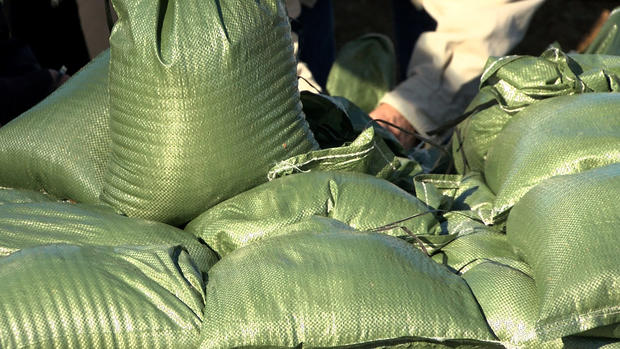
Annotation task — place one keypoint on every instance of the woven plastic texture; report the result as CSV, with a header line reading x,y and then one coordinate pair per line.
x,y
203,101
466,193
62,144
335,289
63,296
22,196
367,154
361,201
567,229
563,135
511,84
28,225
364,70
608,39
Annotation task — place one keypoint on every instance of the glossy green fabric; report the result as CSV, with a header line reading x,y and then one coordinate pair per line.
x,y
203,101
22,196
364,70
62,144
566,228
25,225
361,201
63,296
608,39
511,84
334,289
563,135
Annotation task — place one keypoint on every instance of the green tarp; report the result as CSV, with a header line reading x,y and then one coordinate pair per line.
x,y
203,101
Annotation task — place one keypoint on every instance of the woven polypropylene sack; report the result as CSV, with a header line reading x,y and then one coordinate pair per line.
x,y
608,39
335,289
557,136
361,201
22,196
28,225
566,228
511,84
364,70
203,101
62,144
63,296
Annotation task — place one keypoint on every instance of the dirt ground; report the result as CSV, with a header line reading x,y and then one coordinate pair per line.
x,y
566,21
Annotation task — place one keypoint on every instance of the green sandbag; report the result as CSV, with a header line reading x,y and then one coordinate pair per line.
x,y
367,154
472,243
337,289
563,135
364,70
608,39
566,228
467,193
62,144
63,296
203,101
32,224
506,293
511,84
361,201
22,196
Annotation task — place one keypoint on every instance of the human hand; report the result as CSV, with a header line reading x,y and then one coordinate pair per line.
x,y
58,78
388,113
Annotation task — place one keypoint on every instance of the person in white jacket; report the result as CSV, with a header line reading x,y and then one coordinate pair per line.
x,y
446,63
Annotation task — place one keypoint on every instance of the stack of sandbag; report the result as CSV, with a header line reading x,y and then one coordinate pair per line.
x,y
194,116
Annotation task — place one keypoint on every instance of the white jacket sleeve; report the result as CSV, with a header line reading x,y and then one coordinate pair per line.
x,y
443,71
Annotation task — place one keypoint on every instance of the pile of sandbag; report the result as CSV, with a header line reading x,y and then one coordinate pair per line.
x,y
174,193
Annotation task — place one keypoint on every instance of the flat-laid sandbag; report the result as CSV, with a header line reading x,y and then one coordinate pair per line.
x,y
203,101
360,201
566,229
557,136
337,289
27,225
63,296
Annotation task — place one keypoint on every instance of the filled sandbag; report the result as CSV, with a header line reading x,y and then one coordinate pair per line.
x,y
338,289
360,201
62,144
63,296
203,101
27,225
558,136
510,85
364,71
566,229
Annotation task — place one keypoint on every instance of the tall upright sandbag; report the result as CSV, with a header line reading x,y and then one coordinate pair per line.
x,y
63,296
562,135
511,84
338,289
203,101
360,201
566,229
62,144
26,225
